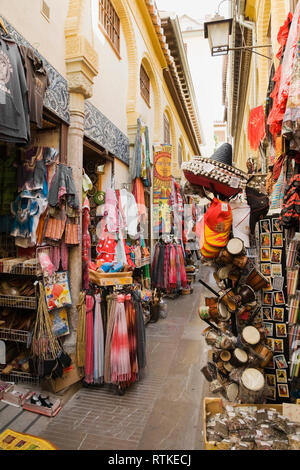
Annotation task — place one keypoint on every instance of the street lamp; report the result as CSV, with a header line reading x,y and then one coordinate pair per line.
x,y
218,31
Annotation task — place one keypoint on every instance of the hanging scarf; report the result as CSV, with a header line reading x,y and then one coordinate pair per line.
x,y
132,340
173,268
183,276
81,327
140,331
166,267
89,355
98,342
111,309
119,356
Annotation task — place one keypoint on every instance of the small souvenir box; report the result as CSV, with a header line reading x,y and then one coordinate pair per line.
x,y
51,412
4,387
16,395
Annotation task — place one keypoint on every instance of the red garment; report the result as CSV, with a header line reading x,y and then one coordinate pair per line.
x,y
138,192
277,167
106,247
256,127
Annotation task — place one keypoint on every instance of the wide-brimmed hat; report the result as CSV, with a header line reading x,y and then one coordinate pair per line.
x,y
216,173
223,154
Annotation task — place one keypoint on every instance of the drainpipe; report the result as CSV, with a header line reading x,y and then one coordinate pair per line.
x,y
251,25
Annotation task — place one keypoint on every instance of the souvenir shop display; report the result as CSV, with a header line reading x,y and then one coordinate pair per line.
x,y
249,427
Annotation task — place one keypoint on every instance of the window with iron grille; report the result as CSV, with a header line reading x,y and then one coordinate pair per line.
x,y
110,22
145,85
179,155
167,134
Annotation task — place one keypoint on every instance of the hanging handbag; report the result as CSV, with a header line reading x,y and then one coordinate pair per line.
x,y
259,206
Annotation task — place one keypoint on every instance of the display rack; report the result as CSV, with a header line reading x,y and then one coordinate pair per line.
x,y
20,377
16,301
19,336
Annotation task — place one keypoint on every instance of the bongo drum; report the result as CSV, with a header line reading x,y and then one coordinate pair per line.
x,y
223,273
247,294
264,353
225,356
225,257
256,280
230,300
228,367
207,313
224,313
252,385
232,392
235,247
239,358
250,336
240,261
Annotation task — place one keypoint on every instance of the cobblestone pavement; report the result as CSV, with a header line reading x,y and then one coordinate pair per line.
x,y
163,411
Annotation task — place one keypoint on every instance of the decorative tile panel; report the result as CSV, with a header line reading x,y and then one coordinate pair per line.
x,y
101,130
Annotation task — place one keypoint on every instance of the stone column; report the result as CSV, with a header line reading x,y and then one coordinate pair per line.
x,y
81,67
75,160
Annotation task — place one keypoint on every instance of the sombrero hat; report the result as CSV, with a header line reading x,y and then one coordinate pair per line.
x,y
216,173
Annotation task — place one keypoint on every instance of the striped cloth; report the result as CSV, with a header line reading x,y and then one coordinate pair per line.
x,y
119,356
98,342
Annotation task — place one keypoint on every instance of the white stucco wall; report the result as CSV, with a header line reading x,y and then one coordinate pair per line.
x,y
46,36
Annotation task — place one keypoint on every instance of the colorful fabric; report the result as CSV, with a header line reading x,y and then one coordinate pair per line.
x,y
256,127
215,228
89,340
291,120
98,342
120,359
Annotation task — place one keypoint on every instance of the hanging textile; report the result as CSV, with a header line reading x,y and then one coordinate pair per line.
x,y
98,342
119,358
256,127
89,339
291,120
81,327
276,115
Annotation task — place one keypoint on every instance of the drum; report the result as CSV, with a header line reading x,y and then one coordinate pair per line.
x,y
239,358
264,353
230,300
224,272
225,257
232,392
252,385
235,247
256,280
240,261
250,336
224,313
207,313
247,294
228,367
225,356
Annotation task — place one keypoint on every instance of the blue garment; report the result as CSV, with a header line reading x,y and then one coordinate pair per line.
x,y
23,210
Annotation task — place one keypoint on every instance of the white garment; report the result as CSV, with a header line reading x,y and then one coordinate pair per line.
x,y
130,211
241,219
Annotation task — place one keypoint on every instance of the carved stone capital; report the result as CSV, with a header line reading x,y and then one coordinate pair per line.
x,y
82,65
